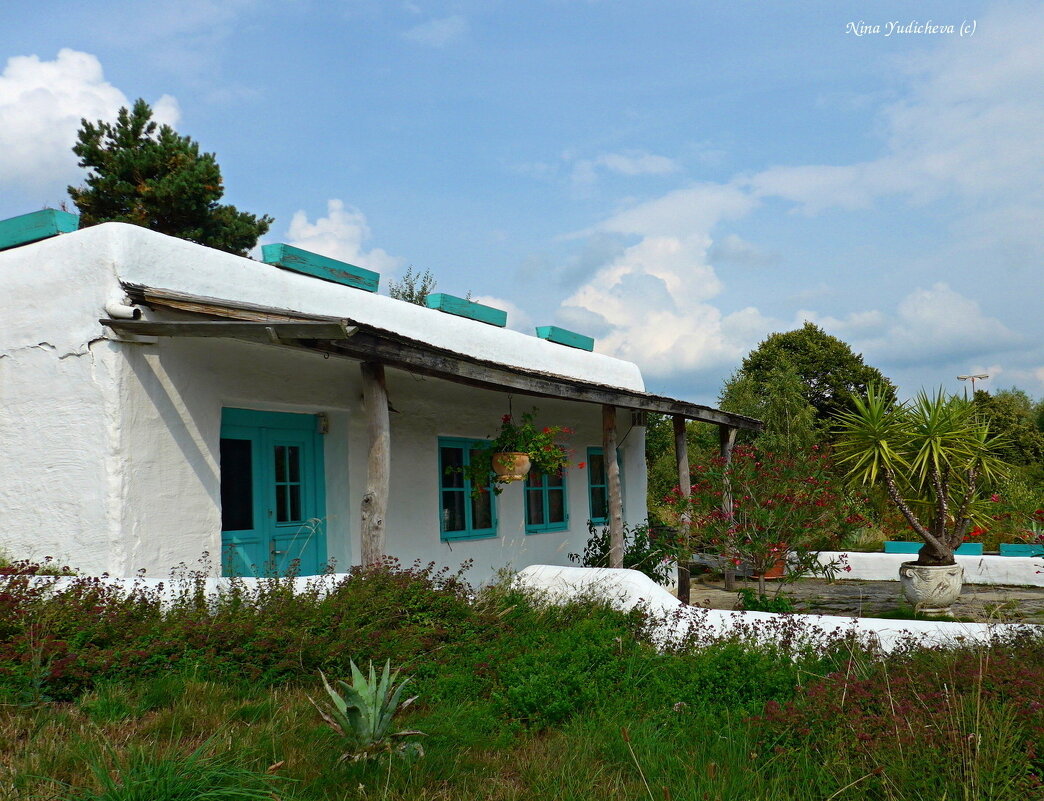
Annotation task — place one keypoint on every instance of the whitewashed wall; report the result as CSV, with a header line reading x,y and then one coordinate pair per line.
x,y
109,449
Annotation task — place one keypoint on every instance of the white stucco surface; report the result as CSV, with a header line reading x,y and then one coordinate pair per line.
x,y
1022,571
110,448
627,589
144,257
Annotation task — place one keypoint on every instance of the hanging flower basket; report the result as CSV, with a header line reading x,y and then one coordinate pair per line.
x,y
517,449
512,466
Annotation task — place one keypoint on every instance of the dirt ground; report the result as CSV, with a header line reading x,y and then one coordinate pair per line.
x,y
985,603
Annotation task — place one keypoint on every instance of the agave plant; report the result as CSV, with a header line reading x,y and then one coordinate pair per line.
x,y
363,714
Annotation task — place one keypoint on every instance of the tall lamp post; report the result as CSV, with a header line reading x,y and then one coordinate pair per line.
x,y
973,379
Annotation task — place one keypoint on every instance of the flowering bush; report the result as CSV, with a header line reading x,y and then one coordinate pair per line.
x,y
763,507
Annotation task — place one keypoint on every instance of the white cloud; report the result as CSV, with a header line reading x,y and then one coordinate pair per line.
x,y
938,325
340,235
627,162
518,320
439,32
654,295
968,126
734,250
41,105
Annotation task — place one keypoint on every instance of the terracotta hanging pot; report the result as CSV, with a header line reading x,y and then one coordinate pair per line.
x,y
511,466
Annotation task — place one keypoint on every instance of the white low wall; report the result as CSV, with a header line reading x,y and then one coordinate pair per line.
x,y
626,589
1019,571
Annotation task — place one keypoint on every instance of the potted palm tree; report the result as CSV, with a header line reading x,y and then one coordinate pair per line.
x,y
934,456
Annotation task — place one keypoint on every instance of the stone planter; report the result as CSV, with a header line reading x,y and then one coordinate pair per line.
x,y
511,466
932,589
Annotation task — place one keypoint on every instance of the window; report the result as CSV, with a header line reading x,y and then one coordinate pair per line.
x,y
463,516
598,484
545,502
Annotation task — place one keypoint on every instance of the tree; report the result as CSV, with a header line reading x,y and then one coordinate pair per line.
x,y
830,371
778,400
935,458
414,287
149,175
1011,418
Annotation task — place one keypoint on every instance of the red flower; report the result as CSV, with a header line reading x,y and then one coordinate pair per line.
x,y
506,418
995,498
582,465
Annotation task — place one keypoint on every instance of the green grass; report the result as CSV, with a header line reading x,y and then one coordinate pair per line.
x,y
517,700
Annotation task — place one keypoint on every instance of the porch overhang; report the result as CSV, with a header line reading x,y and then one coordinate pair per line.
x,y
348,339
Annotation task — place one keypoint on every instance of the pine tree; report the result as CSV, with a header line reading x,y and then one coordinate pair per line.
x,y
149,175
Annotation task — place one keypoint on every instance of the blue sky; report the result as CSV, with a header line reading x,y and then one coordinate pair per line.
x,y
677,179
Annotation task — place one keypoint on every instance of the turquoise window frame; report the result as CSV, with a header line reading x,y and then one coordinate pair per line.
x,y
469,532
544,490
592,486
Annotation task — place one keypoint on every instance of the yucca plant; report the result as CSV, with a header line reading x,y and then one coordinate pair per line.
x,y
934,456
363,715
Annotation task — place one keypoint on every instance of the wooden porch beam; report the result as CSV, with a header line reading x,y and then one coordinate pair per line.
x,y
681,455
393,350
378,464
612,480
273,332
726,442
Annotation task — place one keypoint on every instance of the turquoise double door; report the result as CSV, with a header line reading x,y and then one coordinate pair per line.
x,y
272,493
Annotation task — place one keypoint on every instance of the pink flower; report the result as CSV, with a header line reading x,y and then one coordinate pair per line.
x,y
995,498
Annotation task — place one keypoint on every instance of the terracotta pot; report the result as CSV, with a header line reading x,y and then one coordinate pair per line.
x,y
932,589
511,466
777,571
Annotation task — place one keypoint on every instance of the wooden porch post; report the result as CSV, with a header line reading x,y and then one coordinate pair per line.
x,y
612,477
378,466
727,440
681,453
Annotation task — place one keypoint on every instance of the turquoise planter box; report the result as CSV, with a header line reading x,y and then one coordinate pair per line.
x,y
1020,549
303,261
36,226
466,308
552,333
966,549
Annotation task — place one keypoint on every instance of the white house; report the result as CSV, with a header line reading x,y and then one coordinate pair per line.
x,y
160,399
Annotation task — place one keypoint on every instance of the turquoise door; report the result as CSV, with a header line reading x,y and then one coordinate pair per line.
x,y
272,493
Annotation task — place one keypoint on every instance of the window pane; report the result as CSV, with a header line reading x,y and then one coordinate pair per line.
x,y
237,485
555,506
482,511
535,507
280,463
294,454
596,465
281,504
535,478
452,461
599,506
295,501
556,480
453,511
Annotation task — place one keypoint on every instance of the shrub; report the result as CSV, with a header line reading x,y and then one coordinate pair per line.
x,y
651,552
